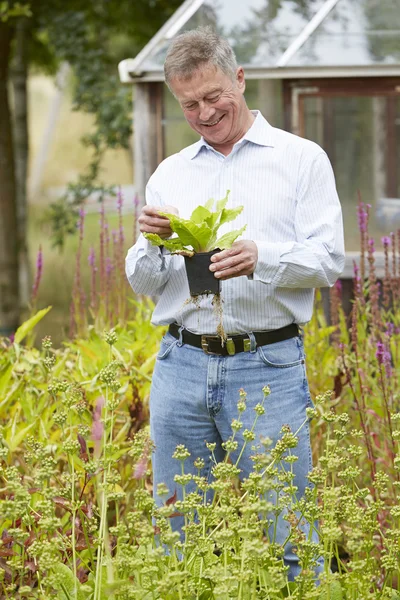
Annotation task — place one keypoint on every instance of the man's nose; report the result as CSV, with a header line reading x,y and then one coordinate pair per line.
x,y
206,112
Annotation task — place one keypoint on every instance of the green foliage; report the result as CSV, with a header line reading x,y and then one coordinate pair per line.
x,y
93,37
9,10
67,586
75,493
199,233
75,482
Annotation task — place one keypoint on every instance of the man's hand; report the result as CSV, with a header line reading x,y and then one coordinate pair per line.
x,y
240,259
150,221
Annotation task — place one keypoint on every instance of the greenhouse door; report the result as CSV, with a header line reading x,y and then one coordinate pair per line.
x,y
357,122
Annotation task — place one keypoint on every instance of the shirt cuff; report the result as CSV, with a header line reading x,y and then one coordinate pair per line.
x,y
269,255
154,253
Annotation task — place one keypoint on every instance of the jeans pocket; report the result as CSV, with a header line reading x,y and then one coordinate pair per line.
x,y
282,355
167,344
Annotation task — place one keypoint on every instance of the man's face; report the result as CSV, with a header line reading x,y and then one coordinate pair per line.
x,y
213,104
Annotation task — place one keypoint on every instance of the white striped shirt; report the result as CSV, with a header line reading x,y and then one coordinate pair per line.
x,y
293,214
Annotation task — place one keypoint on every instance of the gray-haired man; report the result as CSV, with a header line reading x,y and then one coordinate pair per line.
x,y
294,243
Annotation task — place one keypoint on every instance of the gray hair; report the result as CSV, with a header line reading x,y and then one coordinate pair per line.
x,y
194,49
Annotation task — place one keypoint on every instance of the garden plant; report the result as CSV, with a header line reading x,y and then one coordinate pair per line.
x,y
77,518
197,239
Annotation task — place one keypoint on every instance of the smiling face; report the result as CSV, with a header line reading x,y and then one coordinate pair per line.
x,y
214,106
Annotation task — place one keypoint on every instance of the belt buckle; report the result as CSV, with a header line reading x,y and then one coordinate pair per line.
x,y
230,344
205,339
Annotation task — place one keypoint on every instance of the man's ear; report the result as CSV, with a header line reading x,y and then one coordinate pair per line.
x,y
240,80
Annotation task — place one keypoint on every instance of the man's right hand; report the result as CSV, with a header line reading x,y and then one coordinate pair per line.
x,y
150,221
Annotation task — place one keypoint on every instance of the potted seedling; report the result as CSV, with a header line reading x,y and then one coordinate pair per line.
x,y
196,239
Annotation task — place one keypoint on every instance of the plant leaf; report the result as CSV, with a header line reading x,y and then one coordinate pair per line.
x,y
5,376
66,582
229,214
209,204
13,437
222,203
172,244
227,240
200,214
190,233
26,327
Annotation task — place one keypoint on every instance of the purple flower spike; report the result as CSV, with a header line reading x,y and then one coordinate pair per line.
x,y
92,257
386,241
362,218
371,245
136,200
338,286
389,329
120,199
380,352
109,265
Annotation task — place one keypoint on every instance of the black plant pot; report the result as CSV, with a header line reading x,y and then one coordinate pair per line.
x,y
201,279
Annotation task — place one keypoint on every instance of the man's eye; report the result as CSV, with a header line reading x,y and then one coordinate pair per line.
x,y
189,106
214,99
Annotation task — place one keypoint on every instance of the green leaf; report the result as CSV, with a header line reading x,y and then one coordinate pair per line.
x,y
227,240
200,214
200,231
172,244
66,583
5,376
209,204
335,592
229,214
222,203
26,327
13,437
190,234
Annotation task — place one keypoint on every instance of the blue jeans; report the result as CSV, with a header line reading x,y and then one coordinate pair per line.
x,y
194,399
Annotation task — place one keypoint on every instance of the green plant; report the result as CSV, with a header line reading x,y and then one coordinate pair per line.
x,y
199,233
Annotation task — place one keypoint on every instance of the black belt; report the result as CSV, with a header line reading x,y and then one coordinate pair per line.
x,y
212,344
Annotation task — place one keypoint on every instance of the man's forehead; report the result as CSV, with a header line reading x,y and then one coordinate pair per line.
x,y
202,82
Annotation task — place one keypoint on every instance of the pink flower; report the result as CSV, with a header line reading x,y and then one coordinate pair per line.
x,y
380,349
362,217
120,199
92,258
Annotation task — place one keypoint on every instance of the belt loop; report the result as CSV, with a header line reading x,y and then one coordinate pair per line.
x,y
180,331
253,343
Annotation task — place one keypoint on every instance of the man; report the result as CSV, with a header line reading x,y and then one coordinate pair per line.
x,y
294,243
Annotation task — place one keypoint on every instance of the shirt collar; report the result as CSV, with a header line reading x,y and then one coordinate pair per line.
x,y
260,133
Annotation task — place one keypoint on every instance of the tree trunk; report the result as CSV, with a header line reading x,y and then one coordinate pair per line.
x,y
9,297
19,76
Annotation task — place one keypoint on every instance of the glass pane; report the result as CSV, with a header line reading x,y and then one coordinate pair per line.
x,y
263,95
356,133
356,32
259,30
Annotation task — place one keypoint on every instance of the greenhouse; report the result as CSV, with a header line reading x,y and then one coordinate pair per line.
x,y
328,70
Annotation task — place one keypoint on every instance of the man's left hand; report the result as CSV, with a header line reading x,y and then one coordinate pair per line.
x,y
240,259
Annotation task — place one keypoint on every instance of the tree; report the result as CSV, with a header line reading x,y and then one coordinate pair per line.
x,y
9,284
92,36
